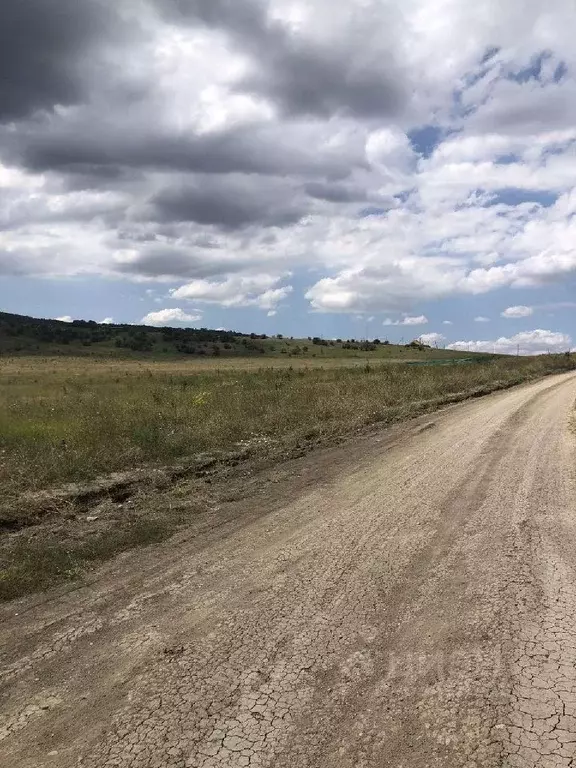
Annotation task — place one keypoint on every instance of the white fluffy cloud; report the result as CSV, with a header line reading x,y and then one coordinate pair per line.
x,y
262,141
518,311
237,291
407,320
389,151
65,319
481,319
432,338
107,321
535,342
168,316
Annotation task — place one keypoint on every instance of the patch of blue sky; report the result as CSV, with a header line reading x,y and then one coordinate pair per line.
x,y
532,71
516,196
372,211
426,138
508,159
560,72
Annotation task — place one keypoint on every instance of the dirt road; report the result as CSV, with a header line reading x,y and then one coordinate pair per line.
x,y
406,600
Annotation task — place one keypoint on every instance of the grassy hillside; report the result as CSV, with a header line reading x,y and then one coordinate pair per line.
x,y
20,335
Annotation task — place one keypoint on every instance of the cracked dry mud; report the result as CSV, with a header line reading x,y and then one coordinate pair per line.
x,y
408,599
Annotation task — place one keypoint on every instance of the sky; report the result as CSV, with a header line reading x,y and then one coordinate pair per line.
x,y
356,169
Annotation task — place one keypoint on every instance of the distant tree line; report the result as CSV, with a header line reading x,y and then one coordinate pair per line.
x,y
19,333
22,333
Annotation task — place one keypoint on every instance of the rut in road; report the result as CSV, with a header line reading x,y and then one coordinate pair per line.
x,y
406,600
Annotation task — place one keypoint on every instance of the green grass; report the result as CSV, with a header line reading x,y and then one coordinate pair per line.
x,y
33,564
67,421
63,423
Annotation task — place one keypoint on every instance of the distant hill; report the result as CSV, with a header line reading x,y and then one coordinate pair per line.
x,y
22,335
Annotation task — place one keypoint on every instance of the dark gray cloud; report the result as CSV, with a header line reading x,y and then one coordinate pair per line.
x,y
95,177
161,187
357,76
335,193
67,52
101,153
162,260
45,47
232,203
322,82
14,265
340,194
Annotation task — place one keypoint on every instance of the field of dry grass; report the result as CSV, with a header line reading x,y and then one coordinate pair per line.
x,y
70,421
59,366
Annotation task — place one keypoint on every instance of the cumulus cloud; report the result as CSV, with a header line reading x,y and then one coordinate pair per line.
x,y
44,50
206,143
161,260
233,204
432,338
65,319
259,291
335,192
167,316
447,322
518,311
107,321
537,342
407,320
313,68
481,319
390,285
